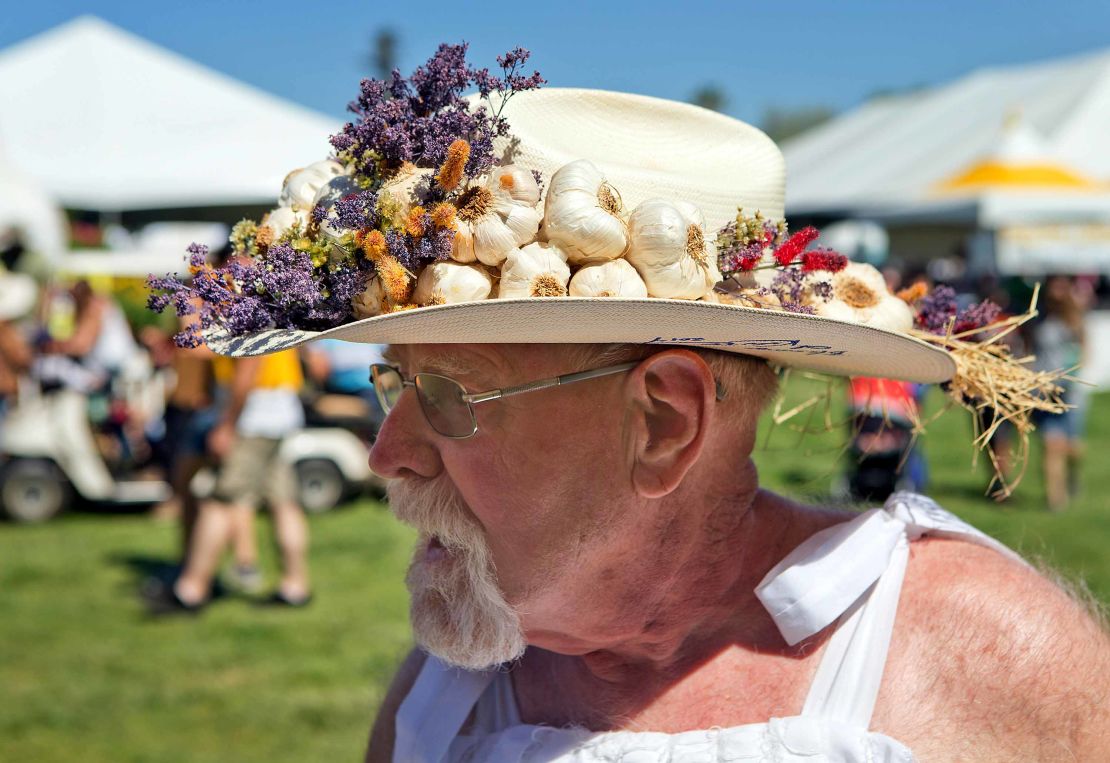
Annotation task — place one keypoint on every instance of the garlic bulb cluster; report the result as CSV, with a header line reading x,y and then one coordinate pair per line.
x,y
448,282
497,216
582,214
615,278
299,194
301,186
860,295
537,270
670,250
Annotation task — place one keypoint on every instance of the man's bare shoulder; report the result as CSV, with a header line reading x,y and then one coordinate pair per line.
x,y
380,749
998,657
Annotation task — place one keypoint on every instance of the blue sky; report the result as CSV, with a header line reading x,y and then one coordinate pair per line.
x,y
761,54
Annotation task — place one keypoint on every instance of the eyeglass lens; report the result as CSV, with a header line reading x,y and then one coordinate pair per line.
x,y
388,385
441,399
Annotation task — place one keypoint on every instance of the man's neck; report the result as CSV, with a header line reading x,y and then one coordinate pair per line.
x,y
710,602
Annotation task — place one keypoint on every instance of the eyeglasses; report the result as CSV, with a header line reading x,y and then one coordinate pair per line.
x,y
446,404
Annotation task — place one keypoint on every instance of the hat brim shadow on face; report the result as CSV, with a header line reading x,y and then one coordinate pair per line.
x,y
787,339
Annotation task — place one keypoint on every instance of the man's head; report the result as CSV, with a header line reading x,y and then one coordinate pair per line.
x,y
535,529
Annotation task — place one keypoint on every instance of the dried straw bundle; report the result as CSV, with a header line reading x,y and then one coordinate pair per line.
x,y
989,382
989,379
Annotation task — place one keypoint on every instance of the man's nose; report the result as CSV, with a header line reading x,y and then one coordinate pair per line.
x,y
404,446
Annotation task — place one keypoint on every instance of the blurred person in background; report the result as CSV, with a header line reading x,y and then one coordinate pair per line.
x,y
191,413
885,456
1002,442
340,368
262,407
1059,342
17,297
101,339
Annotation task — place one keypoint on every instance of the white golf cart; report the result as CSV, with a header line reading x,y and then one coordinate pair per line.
x,y
49,454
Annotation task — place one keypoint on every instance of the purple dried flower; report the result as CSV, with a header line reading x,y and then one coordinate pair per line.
x,y
822,290
415,120
977,316
937,309
357,211
789,285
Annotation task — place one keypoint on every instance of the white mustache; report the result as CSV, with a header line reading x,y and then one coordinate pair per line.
x,y
433,507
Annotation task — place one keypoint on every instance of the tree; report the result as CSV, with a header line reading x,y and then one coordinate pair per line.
x,y
710,97
383,56
781,124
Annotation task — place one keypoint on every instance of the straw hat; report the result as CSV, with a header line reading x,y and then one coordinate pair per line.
x,y
647,148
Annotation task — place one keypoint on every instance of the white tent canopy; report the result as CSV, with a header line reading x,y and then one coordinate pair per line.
x,y
107,121
894,153
28,212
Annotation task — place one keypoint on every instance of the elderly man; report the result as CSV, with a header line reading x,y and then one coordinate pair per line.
x,y
580,336
592,555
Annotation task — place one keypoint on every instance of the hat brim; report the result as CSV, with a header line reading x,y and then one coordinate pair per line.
x,y
788,339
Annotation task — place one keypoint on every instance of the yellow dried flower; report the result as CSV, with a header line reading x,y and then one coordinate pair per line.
x,y
443,216
452,170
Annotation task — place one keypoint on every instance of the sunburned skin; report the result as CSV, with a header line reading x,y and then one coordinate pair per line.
x,y
634,580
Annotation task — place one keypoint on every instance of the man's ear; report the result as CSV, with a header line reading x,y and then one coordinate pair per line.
x,y
672,393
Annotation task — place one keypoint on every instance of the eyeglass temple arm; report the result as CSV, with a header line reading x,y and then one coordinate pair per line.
x,y
557,381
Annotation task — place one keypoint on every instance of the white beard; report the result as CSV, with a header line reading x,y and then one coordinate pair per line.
x,y
458,612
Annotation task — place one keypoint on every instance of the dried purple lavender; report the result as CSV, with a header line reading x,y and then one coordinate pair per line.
x,y
936,309
415,120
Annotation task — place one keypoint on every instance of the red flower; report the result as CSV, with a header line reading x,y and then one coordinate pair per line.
x,y
823,259
795,245
748,260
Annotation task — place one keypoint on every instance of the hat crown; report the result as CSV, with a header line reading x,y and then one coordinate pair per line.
x,y
648,148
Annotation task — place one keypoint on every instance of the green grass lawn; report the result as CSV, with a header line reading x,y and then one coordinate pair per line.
x,y
85,675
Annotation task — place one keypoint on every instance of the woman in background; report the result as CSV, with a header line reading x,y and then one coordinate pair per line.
x,y
1059,342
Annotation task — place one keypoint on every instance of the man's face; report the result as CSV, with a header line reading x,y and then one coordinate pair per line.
x,y
520,518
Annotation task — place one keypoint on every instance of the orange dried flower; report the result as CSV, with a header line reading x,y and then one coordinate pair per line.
x,y
372,243
414,225
443,216
458,153
264,236
911,294
395,279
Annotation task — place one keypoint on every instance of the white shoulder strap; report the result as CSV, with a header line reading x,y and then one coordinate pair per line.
x,y
853,572
434,711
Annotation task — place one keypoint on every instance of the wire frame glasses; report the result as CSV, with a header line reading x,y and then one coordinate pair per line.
x,y
446,404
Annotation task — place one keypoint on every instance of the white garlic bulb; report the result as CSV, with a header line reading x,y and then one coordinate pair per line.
x,y
445,283
301,186
536,270
407,186
370,301
615,278
497,216
860,295
336,188
670,250
582,214
282,219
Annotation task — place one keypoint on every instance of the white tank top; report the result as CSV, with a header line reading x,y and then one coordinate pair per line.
x,y
851,573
